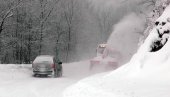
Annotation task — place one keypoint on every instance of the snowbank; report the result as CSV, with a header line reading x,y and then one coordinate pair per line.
x,y
146,75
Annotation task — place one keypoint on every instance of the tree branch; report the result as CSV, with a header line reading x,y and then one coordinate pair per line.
x,y
7,15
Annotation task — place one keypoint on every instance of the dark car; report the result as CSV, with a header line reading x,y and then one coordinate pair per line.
x,y
47,65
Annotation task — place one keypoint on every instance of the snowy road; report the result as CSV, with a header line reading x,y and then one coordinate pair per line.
x,y
34,87
17,81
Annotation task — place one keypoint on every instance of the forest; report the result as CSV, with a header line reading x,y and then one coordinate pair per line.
x,y
34,27
67,29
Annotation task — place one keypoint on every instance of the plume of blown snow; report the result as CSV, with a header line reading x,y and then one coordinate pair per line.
x,y
125,36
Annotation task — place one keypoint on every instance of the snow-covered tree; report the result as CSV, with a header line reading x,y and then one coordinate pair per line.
x,y
158,8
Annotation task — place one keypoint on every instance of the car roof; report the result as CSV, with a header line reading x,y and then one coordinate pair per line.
x,y
42,58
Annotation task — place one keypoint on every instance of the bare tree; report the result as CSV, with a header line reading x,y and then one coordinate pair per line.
x,y
69,14
44,15
105,24
28,26
8,14
148,3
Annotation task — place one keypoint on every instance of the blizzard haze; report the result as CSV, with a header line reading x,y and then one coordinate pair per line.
x,y
145,75
126,34
99,19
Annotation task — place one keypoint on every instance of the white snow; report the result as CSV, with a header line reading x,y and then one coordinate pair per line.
x,y
146,75
17,80
42,58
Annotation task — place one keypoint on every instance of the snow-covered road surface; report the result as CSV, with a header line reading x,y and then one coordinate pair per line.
x,y
17,81
34,87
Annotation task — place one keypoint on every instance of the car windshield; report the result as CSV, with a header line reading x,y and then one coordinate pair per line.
x,y
43,59
101,48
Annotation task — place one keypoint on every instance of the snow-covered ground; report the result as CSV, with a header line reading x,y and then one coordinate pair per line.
x,y
146,75
17,80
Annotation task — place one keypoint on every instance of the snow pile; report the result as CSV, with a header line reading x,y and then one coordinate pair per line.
x,y
146,75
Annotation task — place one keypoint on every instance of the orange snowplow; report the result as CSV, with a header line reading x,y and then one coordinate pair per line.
x,y
107,58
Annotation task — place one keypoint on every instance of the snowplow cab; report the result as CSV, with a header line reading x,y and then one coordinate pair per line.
x,y
100,49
